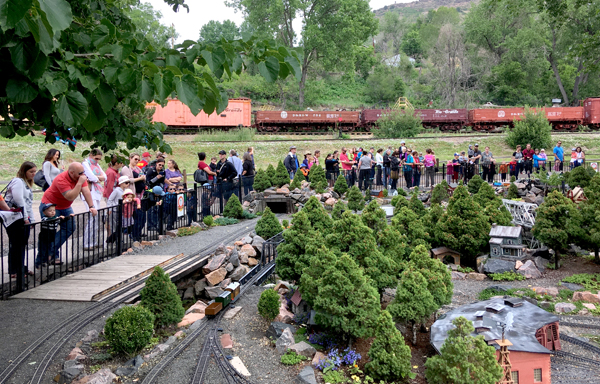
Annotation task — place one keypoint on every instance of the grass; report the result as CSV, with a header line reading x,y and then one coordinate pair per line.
x,y
187,231
588,280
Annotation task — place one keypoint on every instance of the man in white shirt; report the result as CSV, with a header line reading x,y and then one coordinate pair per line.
x,y
236,161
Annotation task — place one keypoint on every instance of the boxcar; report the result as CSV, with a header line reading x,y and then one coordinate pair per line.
x,y
488,119
591,107
369,117
444,119
178,117
564,118
274,121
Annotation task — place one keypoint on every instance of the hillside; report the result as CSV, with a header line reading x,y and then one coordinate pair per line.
x,y
416,8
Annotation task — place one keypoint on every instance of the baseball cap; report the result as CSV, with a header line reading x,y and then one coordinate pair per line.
x,y
124,179
129,192
292,147
574,149
47,205
158,191
146,154
160,154
477,145
456,154
222,152
403,142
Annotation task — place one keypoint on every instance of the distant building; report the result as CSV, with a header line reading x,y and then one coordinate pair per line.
x,y
507,242
532,331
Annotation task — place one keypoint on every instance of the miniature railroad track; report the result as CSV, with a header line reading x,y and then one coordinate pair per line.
x,y
579,325
577,358
79,320
580,343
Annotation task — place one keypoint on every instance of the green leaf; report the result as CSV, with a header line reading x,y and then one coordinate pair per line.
x,y
82,39
57,87
126,76
209,103
106,97
20,91
211,83
100,35
23,54
146,90
283,51
187,91
38,67
295,66
72,108
47,42
110,73
90,81
173,60
284,70
175,70
58,13
237,64
149,68
207,55
164,84
12,11
95,118
269,69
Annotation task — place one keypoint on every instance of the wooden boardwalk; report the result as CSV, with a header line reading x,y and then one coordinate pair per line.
x,y
88,284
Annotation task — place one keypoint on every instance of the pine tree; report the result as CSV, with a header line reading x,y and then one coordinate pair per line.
x,y
408,223
338,209
341,185
282,177
580,177
485,195
474,184
398,202
233,208
293,255
356,201
430,222
389,355
160,296
374,217
412,302
394,245
438,276
317,216
464,227
512,191
268,225
464,359
317,178
513,178
492,205
261,181
590,220
319,264
298,179
439,193
271,174
417,205
558,223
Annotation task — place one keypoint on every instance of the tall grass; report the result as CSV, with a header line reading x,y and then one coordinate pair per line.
x,y
240,134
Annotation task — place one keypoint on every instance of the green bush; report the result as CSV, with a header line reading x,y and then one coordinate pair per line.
x,y
282,177
187,231
160,296
513,179
268,304
533,128
226,221
233,209
474,184
439,193
335,377
385,193
298,179
285,223
261,181
129,329
248,215
317,178
580,176
209,220
341,185
507,276
356,201
292,358
512,192
565,294
398,124
268,225
271,174
338,209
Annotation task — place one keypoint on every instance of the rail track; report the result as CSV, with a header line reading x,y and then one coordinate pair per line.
x,y
69,327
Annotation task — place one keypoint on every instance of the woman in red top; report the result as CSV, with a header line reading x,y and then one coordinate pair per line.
x,y
112,176
203,166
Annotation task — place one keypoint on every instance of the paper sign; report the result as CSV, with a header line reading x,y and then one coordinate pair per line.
x,y
180,205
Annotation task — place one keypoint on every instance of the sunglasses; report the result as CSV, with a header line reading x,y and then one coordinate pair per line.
x,y
81,173
127,182
136,159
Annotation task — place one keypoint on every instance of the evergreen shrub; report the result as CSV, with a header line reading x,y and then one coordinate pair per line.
x,y
160,297
268,304
271,174
261,181
233,209
341,185
129,329
268,225
282,177
209,220
298,179
533,128
317,178
356,201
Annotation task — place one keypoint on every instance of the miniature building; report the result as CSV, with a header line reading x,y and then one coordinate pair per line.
x,y
532,332
506,242
299,306
442,253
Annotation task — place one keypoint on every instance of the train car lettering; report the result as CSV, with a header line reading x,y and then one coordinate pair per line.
x,y
283,114
501,114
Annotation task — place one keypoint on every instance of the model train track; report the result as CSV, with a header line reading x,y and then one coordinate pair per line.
x,y
579,325
576,358
79,320
580,343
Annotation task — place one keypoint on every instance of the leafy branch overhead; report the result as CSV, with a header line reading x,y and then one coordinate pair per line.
x,y
83,70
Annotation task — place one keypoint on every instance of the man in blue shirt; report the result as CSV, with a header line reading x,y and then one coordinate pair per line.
x,y
559,153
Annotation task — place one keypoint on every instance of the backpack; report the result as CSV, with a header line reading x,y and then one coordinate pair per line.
x,y
200,176
40,180
428,162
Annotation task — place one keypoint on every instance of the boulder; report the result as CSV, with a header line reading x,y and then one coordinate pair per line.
x,y
586,296
572,286
103,376
188,294
248,250
284,341
130,367
545,305
225,283
304,349
221,249
498,266
330,202
539,200
67,375
73,364
243,256
214,263
230,314
552,291
518,264
216,277
480,262
276,330
476,276
584,311
198,307
190,318
213,292
564,307
234,258
246,240
238,273
306,376
589,306
285,316
76,354
500,287
252,261
318,357
200,286
257,243
541,263
529,270
458,275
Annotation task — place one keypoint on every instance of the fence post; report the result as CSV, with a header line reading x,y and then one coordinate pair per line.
x,y
119,227
161,218
198,195
184,174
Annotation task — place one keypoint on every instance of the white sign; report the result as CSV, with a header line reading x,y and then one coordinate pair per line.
x,y
283,114
500,113
180,205
594,166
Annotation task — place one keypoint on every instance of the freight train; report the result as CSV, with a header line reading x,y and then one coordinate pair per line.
x,y
179,119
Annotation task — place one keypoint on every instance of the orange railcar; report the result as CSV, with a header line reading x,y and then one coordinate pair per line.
x,y
488,119
591,107
273,121
564,118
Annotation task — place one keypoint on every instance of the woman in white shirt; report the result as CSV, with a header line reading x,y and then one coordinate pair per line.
x,y
50,166
379,166
96,178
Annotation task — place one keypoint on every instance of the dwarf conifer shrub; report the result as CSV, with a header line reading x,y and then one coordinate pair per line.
x,y
338,209
282,177
341,185
129,329
317,178
374,217
271,173
416,205
161,298
474,184
356,201
268,304
268,225
233,208
512,192
209,220
298,179
439,193
261,181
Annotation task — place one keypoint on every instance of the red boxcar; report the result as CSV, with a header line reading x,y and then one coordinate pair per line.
x,y
564,118
488,119
369,117
178,117
273,121
444,119
591,107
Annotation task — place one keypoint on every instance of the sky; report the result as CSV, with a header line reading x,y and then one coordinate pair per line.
x,y
202,11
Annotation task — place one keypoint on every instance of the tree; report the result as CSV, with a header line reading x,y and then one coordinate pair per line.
x,y
233,208
389,355
590,210
261,181
310,279
338,209
416,205
83,70
356,201
160,296
268,225
271,173
282,177
463,227
317,216
385,85
513,191
474,184
430,222
293,255
557,223
374,217
439,193
397,124
533,128
412,46
317,178
492,205
268,304
394,245
298,179
213,31
398,202
438,276
580,177
323,39
408,223
464,359
341,185
147,22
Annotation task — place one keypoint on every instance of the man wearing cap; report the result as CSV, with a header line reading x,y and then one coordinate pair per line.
x,y
476,157
226,172
291,162
144,161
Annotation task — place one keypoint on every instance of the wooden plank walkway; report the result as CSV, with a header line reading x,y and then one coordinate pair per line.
x,y
85,284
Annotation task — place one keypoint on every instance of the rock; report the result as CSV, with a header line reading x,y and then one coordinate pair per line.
x,y
284,341
200,286
480,261
236,363
498,266
198,307
246,240
248,250
584,311
330,202
147,243
234,258
545,305
230,314
229,267
586,296
130,367
306,376
304,349
76,354
214,263
535,190
216,277
160,348
539,200
238,243
185,284
276,330
226,341
518,264
529,270
188,294
103,376
520,185
531,300
257,243
238,273
171,233
225,283
458,275
500,287
67,375
91,336
283,191
564,307
318,357
541,263
190,318
243,256
221,248
589,306
476,276
196,325
572,286
552,291
73,364
252,262
213,292
285,316
179,334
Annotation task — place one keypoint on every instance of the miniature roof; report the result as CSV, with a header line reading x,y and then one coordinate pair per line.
x,y
521,324
296,298
495,240
502,231
441,250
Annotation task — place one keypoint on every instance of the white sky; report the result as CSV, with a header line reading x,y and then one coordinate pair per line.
x,y
202,11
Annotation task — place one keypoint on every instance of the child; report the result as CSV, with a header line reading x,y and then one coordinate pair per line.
x,y
190,204
170,207
513,168
129,204
213,167
573,162
47,235
503,171
542,160
450,172
456,166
